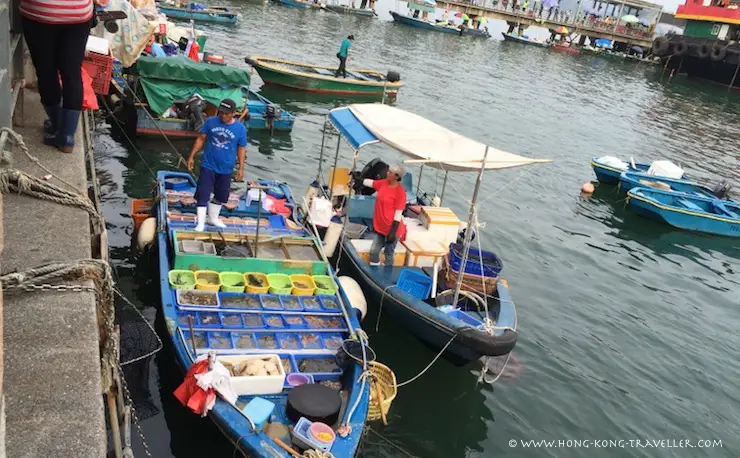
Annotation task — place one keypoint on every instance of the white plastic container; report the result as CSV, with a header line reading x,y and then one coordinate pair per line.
x,y
254,384
665,169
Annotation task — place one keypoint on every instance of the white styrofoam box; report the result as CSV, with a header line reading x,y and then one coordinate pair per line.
x,y
253,384
97,45
424,252
665,169
612,161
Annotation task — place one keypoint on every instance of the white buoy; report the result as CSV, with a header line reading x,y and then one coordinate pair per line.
x,y
146,233
354,294
331,238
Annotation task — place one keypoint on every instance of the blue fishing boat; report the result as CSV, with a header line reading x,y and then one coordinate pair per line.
x,y
444,28
200,14
463,313
608,168
301,4
687,212
629,180
293,315
525,40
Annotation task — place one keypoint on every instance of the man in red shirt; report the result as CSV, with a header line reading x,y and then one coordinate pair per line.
x,y
390,201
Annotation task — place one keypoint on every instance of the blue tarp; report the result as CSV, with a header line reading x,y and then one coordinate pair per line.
x,y
351,128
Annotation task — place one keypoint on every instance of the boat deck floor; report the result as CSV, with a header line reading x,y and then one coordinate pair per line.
x,y
360,76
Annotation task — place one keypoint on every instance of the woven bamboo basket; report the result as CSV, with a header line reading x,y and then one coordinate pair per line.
x,y
470,282
384,380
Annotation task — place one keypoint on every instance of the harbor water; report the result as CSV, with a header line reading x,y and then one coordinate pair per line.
x,y
627,329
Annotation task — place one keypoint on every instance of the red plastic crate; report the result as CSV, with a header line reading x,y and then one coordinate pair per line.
x,y
100,69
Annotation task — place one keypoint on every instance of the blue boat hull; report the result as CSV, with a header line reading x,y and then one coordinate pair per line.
x,y
629,180
667,207
524,41
296,4
413,22
610,175
199,16
231,422
426,323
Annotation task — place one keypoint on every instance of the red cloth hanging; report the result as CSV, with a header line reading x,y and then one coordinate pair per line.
x,y
277,206
89,99
193,396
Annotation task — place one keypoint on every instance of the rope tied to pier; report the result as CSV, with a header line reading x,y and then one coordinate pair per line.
x,y
99,272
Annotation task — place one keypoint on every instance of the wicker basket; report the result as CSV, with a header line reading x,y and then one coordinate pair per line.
x,y
382,379
470,282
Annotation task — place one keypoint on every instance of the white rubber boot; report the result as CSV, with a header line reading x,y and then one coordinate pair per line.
x,y
213,212
200,227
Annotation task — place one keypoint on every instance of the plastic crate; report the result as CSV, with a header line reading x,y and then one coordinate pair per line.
x,y
294,321
465,318
267,340
492,265
330,304
140,211
326,283
231,320
274,321
100,69
232,282
271,302
207,320
330,363
253,321
235,301
311,303
257,289
243,341
181,279
289,341
332,340
310,340
415,283
303,280
291,303
280,284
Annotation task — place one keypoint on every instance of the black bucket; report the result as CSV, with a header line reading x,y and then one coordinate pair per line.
x,y
351,351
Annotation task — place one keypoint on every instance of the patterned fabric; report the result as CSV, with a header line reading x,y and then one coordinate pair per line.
x,y
132,36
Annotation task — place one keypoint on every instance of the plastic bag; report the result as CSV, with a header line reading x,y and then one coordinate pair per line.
x,y
321,211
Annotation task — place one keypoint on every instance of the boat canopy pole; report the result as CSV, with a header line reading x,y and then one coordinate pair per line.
x,y
336,159
321,154
444,185
418,181
468,231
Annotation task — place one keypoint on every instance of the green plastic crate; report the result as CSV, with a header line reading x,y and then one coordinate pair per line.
x,y
324,280
230,280
181,279
280,284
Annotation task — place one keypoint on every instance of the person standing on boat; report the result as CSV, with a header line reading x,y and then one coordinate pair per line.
x,y
390,201
225,140
343,55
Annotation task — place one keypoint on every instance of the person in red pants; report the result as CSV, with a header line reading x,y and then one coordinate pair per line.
x,y
56,32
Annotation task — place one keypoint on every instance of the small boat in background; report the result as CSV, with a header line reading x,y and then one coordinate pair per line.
x,y
316,78
199,12
301,4
444,28
524,39
629,180
683,211
566,49
609,168
346,9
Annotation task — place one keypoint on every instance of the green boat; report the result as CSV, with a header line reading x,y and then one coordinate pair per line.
x,y
315,78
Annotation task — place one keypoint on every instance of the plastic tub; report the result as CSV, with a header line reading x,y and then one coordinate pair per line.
x,y
220,341
311,303
415,283
291,303
274,321
324,285
330,304
181,279
267,340
231,282
256,278
317,364
289,341
197,298
253,321
297,379
303,285
201,341
294,321
207,280
240,301
271,302
332,341
280,283
321,433
310,340
207,320
231,320
140,210
243,341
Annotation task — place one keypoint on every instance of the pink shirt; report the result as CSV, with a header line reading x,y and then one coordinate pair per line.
x,y
57,11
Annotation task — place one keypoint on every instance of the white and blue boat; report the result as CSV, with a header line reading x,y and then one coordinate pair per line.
x,y
524,39
200,13
687,212
629,180
462,324
444,28
608,168
301,4
299,333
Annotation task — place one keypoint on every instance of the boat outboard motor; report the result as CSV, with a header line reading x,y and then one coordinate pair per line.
x,y
373,170
272,113
192,110
722,189
393,76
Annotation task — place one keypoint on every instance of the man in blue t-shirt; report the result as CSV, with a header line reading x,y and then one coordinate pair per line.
x,y
225,139
342,55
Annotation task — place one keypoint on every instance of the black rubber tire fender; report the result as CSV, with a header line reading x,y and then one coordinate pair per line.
x,y
661,46
703,50
718,53
679,48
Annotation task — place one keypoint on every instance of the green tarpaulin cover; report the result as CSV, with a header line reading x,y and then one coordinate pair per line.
x,y
166,79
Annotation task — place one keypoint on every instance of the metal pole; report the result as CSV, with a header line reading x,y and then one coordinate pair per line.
x,y
321,154
616,23
732,83
336,159
259,214
444,185
418,182
468,230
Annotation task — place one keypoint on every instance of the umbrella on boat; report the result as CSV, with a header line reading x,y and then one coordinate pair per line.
x,y
630,19
603,43
561,30
462,16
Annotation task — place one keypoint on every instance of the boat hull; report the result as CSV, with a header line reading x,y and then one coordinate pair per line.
x,y
524,41
342,9
177,13
629,180
320,83
296,4
414,22
469,344
565,49
180,128
610,175
640,200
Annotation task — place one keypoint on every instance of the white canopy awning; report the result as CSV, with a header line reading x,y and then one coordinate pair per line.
x,y
430,144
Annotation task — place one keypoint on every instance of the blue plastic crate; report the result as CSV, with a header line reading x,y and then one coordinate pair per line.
x,y
266,340
207,320
277,222
253,321
243,341
239,301
220,340
330,304
231,320
318,376
310,340
465,318
332,340
274,321
201,340
295,321
182,319
291,303
291,362
415,283
492,265
289,341
271,302
311,303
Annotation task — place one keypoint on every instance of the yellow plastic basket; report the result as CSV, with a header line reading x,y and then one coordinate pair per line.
x,y
382,380
207,280
304,280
